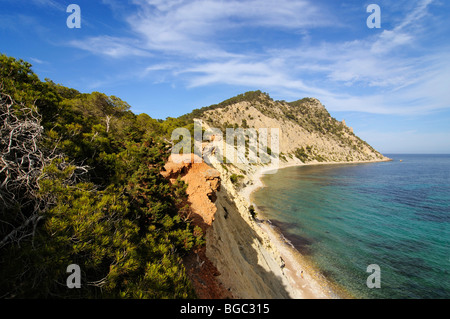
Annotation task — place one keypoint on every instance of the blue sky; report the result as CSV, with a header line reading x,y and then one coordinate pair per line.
x,y
167,57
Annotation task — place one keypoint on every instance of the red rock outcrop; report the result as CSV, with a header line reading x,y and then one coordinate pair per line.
x,y
203,181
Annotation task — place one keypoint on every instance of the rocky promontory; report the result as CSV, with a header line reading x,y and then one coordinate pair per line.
x,y
248,257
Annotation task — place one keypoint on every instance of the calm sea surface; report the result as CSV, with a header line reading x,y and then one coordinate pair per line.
x,y
346,217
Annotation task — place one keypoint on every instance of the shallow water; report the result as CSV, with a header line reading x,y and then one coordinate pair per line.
x,y
347,217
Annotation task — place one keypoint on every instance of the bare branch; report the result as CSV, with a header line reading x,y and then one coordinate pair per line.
x,y
22,163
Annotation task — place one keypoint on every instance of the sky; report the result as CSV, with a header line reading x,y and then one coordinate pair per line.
x,y
167,57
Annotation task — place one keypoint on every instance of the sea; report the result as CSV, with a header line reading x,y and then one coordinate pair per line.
x,y
377,230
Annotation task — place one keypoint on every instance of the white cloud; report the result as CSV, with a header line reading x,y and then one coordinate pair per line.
x,y
50,3
383,73
192,28
111,46
418,13
271,74
38,61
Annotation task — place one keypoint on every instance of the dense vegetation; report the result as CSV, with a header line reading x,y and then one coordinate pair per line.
x,y
80,183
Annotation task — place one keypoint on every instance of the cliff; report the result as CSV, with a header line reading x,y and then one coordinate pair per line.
x,y
307,131
203,182
253,260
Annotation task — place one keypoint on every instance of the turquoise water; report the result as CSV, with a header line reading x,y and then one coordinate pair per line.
x,y
347,217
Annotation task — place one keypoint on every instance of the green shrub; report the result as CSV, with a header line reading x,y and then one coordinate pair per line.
x,y
252,211
236,178
109,211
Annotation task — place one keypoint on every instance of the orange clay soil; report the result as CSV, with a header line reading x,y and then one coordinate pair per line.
x,y
203,182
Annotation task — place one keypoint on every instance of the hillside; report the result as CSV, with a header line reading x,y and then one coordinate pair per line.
x,y
252,259
307,130
81,183
85,181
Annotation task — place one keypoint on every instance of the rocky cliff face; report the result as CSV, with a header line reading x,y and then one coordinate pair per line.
x,y
247,261
307,130
203,183
238,260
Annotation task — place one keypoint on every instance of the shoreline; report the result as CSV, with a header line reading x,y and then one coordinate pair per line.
x,y
256,177
305,277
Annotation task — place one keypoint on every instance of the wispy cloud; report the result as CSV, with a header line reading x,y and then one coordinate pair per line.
x,y
196,42
195,29
111,46
50,3
38,61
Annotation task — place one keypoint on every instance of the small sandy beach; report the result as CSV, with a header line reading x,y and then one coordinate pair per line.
x,y
305,279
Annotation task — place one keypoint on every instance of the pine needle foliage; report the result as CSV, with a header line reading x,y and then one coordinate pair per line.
x,y
83,186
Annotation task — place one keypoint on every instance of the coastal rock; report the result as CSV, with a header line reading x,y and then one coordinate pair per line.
x,y
203,182
306,129
251,258
255,261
